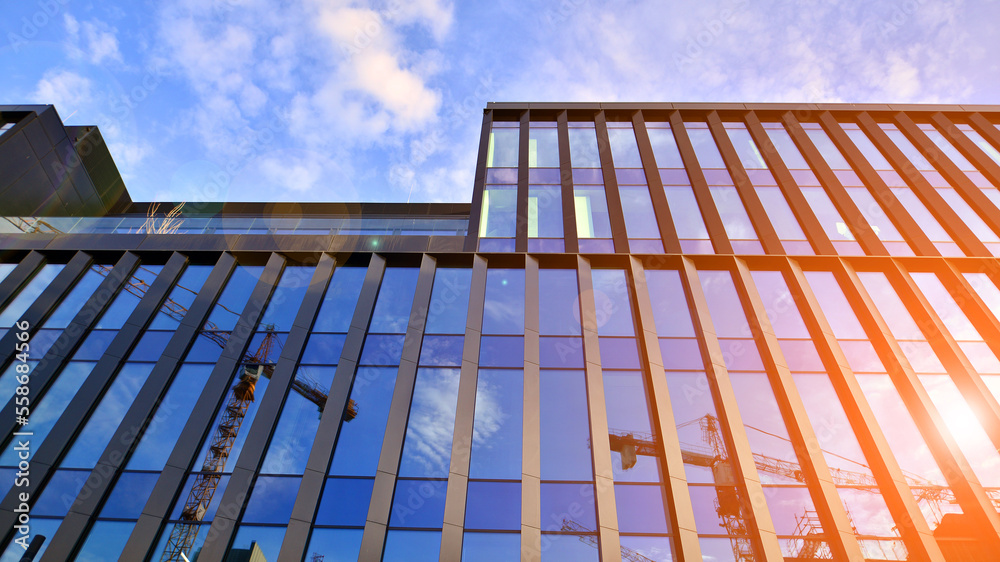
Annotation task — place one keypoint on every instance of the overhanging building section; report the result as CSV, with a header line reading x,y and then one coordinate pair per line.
x,y
658,332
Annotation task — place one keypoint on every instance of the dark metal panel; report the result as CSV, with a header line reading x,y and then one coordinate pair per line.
x,y
758,216
858,224
472,238
754,505
604,496
668,232
678,503
796,201
198,425
399,410
942,445
892,483
252,454
893,209
713,221
461,448
566,181
615,212
980,203
837,527
943,212
307,499
521,226
22,273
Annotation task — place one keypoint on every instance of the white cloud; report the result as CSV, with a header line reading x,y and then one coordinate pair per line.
x,y
98,42
66,90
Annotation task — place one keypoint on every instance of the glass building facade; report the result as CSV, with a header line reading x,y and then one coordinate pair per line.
x,y
658,332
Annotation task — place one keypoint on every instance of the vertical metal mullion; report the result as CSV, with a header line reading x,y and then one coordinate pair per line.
x,y
980,203
668,232
461,447
46,456
572,242
521,225
531,473
679,505
615,212
857,222
961,371
911,231
709,212
476,212
837,526
16,279
936,204
78,518
983,163
759,523
373,541
985,127
748,196
266,419
942,445
600,444
152,392
293,546
35,315
892,483
182,457
786,183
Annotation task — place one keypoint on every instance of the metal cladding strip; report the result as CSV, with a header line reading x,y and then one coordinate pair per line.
x,y
978,312
811,226
373,541
461,446
953,464
748,196
252,454
980,203
521,220
886,199
45,304
476,213
21,274
753,502
531,518
892,484
668,232
307,500
566,185
837,526
972,152
182,457
679,506
709,213
47,454
936,204
85,506
44,374
611,193
604,493
969,383
984,127
857,222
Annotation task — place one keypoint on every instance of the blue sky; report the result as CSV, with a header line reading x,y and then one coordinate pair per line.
x,y
333,100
